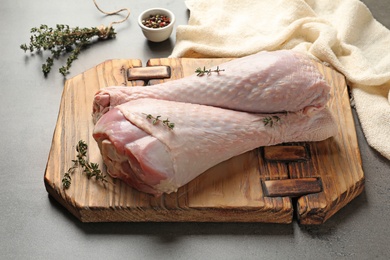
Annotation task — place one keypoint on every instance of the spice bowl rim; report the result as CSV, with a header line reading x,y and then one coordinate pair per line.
x,y
156,9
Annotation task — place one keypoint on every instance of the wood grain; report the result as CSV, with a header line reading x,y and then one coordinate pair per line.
x,y
291,187
229,192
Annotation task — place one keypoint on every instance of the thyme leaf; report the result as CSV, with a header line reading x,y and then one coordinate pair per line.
x,y
157,119
62,40
89,168
270,120
200,72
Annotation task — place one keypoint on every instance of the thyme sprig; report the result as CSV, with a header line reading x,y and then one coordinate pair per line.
x,y
62,40
270,120
157,119
200,72
89,168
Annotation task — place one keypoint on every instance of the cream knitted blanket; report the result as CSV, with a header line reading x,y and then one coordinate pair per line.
x,y
342,33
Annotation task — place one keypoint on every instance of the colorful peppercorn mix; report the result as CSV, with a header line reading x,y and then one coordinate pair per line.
x,y
156,21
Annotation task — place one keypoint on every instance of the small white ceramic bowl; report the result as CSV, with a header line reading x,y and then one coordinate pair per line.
x,y
157,34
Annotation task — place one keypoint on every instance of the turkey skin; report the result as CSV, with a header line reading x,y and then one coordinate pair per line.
x,y
156,159
266,82
159,138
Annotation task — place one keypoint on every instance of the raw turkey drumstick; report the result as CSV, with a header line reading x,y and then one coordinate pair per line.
x,y
157,146
266,82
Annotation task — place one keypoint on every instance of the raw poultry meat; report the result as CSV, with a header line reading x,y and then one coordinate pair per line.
x,y
265,82
156,159
216,117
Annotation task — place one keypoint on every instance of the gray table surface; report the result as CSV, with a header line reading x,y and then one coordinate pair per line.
x,y
34,226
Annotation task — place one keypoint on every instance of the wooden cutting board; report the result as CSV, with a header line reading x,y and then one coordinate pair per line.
x,y
269,184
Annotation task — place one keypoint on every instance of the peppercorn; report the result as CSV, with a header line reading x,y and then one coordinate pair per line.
x,y
156,21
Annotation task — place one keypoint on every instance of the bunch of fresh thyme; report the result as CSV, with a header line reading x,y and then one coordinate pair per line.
x,y
62,40
157,119
90,169
200,72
